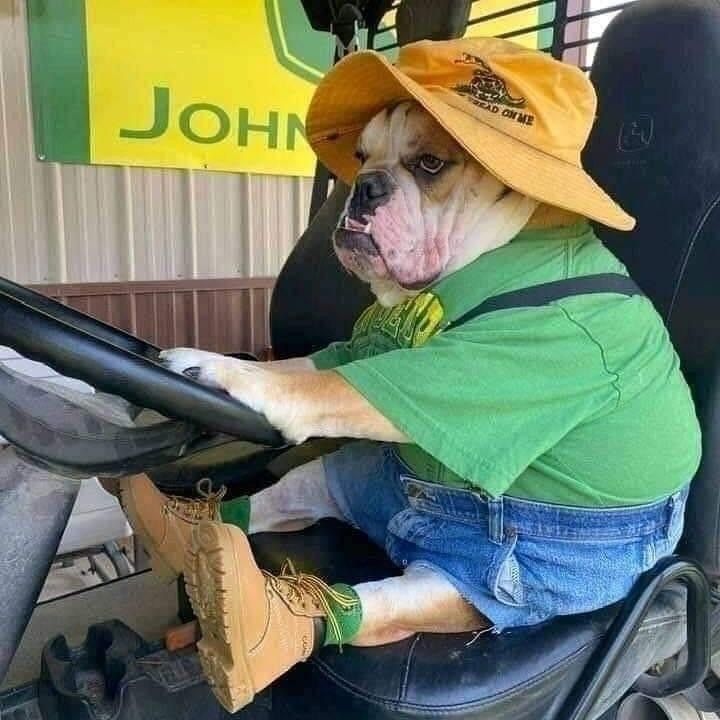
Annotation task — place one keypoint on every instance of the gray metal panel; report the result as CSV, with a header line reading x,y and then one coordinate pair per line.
x,y
34,508
64,223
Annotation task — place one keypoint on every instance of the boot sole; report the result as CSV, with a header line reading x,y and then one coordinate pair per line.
x,y
213,583
162,570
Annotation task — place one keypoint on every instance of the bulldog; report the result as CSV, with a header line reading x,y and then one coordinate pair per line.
x,y
478,450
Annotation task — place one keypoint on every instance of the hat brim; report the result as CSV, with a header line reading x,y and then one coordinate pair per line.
x,y
364,83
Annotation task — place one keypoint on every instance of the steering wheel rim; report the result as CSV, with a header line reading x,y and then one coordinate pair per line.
x,y
119,371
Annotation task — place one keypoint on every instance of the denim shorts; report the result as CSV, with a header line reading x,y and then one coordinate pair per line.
x,y
518,562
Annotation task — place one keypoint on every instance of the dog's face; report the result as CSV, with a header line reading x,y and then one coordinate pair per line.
x,y
420,207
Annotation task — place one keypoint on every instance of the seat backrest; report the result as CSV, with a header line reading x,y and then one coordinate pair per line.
x,y
324,14
431,20
316,302
656,148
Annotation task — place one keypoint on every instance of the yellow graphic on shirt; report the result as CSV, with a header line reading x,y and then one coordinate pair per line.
x,y
407,325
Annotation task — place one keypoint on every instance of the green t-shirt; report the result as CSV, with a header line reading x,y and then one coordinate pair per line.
x,y
580,402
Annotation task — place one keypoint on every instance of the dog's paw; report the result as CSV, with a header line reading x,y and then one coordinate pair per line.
x,y
250,383
185,360
242,379
227,374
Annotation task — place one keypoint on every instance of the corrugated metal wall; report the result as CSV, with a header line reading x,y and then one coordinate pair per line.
x,y
61,223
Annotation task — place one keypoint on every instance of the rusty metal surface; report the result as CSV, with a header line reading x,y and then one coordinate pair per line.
x,y
223,315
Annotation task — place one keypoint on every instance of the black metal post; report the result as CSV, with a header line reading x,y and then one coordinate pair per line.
x,y
606,658
559,25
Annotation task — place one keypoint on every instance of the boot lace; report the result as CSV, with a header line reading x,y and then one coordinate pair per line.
x,y
299,586
196,509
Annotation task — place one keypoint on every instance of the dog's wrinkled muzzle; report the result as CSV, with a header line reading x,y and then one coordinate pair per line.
x,y
353,239
355,236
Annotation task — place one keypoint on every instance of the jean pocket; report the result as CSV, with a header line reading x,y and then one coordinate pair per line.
x,y
456,546
505,575
409,526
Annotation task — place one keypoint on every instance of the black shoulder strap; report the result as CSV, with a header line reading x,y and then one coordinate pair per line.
x,y
538,295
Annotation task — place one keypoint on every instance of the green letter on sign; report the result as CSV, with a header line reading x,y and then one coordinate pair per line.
x,y
245,127
294,126
223,123
161,115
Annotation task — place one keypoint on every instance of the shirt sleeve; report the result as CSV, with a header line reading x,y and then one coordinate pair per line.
x,y
332,356
488,398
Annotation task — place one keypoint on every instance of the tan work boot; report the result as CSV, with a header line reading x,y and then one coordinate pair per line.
x,y
255,626
164,523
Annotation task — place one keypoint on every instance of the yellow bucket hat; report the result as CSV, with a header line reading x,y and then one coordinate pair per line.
x,y
520,113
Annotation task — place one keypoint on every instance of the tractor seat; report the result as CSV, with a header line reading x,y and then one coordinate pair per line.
x,y
521,674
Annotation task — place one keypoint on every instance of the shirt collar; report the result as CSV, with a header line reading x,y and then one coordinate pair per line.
x,y
526,260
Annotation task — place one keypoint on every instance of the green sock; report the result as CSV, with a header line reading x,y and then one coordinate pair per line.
x,y
346,612
236,512
345,616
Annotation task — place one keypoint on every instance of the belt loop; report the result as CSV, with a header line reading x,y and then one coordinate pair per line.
x,y
496,530
675,506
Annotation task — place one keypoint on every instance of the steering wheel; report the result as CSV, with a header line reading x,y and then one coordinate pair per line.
x,y
116,362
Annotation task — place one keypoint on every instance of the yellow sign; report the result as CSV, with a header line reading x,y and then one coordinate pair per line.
x,y
208,93
215,84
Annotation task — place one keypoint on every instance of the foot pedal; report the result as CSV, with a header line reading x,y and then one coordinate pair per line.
x,y
116,675
183,636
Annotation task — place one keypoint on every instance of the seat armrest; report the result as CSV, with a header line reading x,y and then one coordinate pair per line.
x,y
606,658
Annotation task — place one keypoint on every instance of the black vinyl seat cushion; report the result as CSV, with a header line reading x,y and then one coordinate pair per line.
x,y
523,674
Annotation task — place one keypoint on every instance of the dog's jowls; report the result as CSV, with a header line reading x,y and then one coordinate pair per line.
x,y
420,209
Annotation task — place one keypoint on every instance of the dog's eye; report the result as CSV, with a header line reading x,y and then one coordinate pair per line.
x,y
431,164
361,156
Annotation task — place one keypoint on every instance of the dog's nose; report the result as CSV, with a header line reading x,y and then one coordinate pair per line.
x,y
372,189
